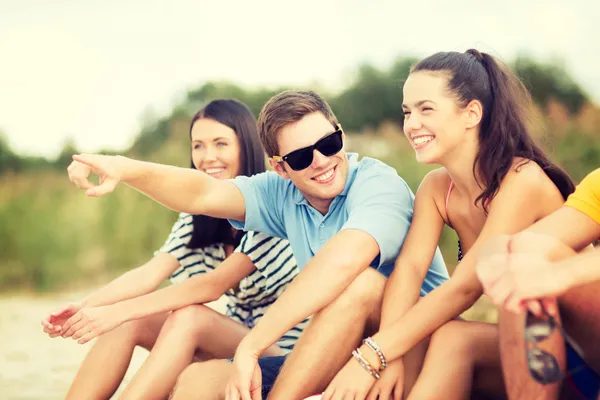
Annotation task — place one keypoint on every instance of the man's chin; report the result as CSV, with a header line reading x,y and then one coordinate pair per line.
x,y
330,192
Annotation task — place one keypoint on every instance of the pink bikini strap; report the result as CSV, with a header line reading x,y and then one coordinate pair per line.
x,y
448,195
448,198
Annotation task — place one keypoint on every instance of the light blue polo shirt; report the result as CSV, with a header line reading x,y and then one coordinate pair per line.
x,y
375,200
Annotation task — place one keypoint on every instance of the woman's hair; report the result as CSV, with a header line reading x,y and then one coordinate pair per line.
x,y
208,230
503,134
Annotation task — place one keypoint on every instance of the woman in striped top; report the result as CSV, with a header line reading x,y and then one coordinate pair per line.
x,y
252,272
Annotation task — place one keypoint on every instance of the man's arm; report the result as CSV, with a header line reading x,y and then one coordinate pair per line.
x,y
323,279
581,269
570,226
531,271
380,206
180,189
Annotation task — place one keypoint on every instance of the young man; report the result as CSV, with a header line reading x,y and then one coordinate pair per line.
x,y
542,264
340,215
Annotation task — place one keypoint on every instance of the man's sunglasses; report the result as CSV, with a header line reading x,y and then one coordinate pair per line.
x,y
302,158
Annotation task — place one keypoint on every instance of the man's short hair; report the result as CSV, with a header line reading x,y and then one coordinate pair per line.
x,y
286,108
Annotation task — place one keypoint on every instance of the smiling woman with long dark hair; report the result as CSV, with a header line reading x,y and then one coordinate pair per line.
x,y
206,259
467,113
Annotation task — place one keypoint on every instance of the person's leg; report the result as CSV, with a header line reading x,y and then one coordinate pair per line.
x,y
517,378
203,381
327,342
580,315
106,363
191,330
413,364
462,356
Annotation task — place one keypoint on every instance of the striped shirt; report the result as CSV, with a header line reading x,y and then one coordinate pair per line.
x,y
247,303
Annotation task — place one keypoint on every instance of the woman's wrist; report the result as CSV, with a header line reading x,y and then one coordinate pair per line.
x,y
366,365
374,348
370,357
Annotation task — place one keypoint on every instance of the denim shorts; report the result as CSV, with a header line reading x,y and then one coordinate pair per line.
x,y
580,377
270,367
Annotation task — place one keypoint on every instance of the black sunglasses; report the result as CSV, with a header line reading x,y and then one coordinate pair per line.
x,y
302,158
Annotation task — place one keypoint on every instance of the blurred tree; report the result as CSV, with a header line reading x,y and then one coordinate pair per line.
x,y
9,161
550,81
65,157
374,97
86,241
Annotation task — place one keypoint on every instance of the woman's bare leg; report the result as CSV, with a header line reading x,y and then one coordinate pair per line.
x,y
189,331
106,363
462,356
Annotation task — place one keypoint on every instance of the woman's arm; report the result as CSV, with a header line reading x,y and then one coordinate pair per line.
x,y
515,207
199,289
403,287
135,282
91,322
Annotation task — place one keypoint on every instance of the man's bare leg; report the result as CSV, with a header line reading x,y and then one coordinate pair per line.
x,y
327,342
203,381
517,379
580,314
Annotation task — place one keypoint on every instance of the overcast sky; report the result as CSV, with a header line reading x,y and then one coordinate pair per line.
x,y
88,69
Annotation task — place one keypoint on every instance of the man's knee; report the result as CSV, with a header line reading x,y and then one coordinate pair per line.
x,y
204,380
365,290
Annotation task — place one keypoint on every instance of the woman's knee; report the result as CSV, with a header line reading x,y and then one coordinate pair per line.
x,y
453,337
135,332
193,319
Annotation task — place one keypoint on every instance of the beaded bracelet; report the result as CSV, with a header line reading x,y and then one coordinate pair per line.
x,y
373,346
365,364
